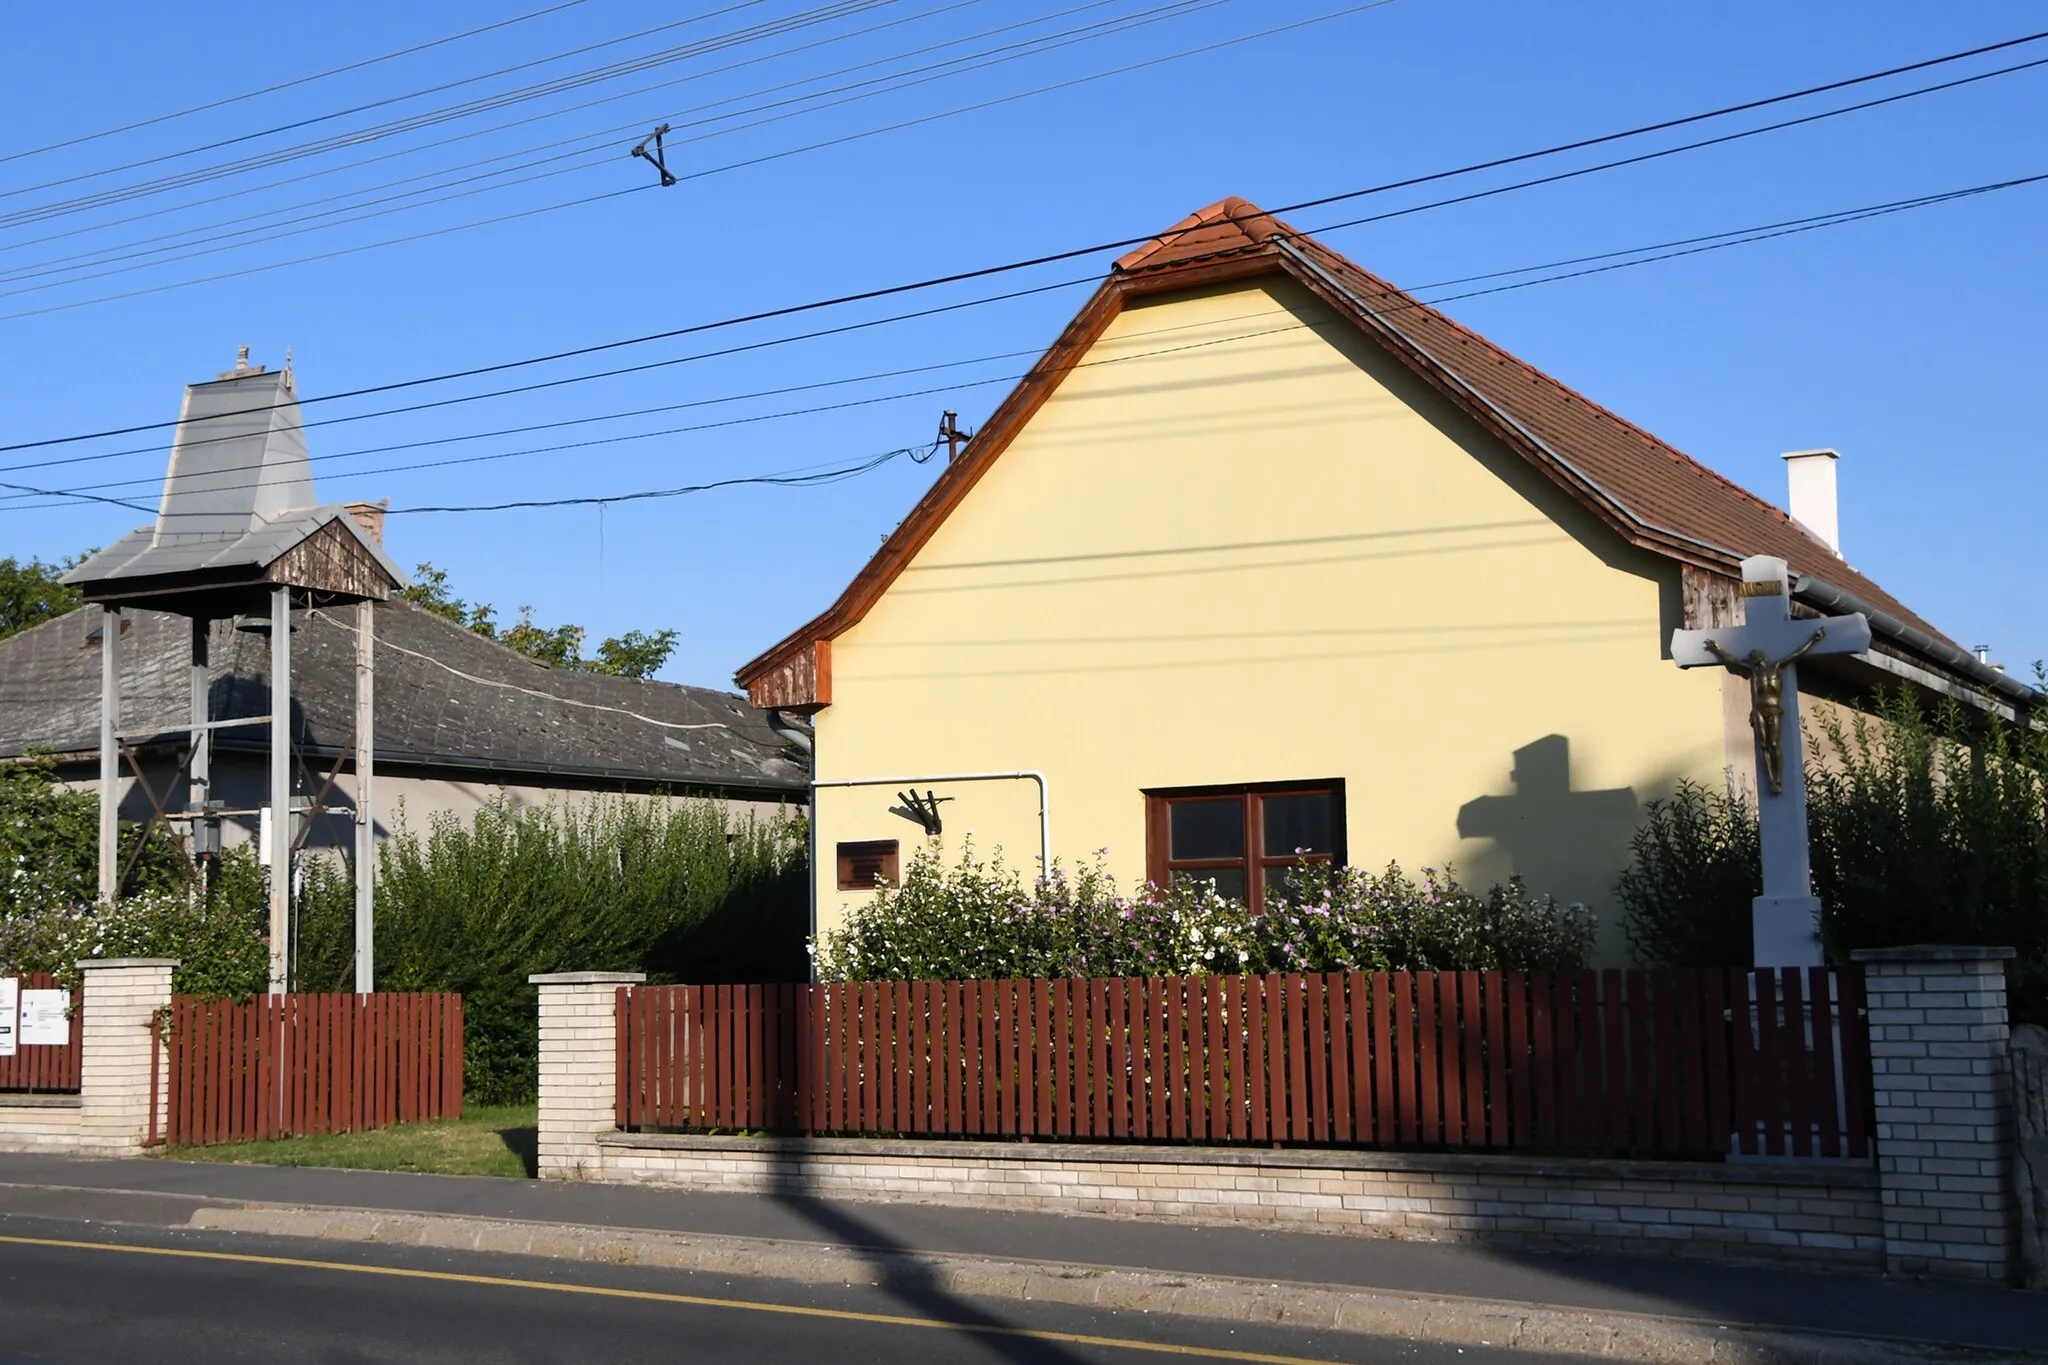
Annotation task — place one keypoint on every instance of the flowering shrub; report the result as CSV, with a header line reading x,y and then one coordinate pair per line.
x,y
219,940
977,920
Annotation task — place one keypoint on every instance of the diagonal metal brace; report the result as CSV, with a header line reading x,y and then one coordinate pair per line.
x,y
656,157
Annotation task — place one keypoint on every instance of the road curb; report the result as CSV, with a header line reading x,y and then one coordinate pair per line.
x,y
1646,1338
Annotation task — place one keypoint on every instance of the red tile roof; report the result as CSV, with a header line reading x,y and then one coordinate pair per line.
x,y
1649,492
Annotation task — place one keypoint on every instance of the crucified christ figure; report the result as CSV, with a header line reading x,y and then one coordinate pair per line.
x,y
1767,700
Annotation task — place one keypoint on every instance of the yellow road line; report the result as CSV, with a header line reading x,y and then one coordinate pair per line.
x,y
691,1300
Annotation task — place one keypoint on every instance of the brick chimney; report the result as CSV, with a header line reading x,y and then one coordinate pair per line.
x,y
370,516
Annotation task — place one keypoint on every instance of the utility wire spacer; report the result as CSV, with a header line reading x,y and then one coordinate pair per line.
x,y
656,156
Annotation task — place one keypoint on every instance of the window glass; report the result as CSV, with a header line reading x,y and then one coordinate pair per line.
x,y
1228,881
1208,829
1299,822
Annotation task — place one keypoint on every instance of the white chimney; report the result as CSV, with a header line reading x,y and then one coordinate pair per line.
x,y
1811,477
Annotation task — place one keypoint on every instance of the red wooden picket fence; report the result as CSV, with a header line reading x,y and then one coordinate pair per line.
x,y
296,1065
44,1066
1694,1063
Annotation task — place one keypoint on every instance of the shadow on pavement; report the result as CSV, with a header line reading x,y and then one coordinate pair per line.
x,y
904,1279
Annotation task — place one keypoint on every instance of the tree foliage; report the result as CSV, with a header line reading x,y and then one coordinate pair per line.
x,y
31,593
636,654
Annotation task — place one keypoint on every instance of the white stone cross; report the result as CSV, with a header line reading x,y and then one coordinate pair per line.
x,y
1785,919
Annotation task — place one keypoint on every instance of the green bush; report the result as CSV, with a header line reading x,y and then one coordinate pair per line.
x,y
672,887
1693,870
1925,826
220,939
978,920
1932,827
50,838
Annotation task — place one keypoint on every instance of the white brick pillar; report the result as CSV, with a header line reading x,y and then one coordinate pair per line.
x,y
118,1050
578,1067
1941,1083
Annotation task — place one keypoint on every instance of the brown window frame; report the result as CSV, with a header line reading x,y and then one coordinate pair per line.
x,y
847,854
1160,866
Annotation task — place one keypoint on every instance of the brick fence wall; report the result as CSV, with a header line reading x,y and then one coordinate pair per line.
x,y
1819,1211
39,1123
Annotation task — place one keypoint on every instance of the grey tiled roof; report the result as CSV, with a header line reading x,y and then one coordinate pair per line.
x,y
446,697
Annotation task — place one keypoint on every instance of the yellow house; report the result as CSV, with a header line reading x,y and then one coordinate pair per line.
x,y
1265,559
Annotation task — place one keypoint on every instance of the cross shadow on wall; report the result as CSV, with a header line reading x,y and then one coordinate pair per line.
x,y
1563,843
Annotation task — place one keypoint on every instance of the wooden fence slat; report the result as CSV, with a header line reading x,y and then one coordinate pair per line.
x,y
1792,1042
1006,1056
1337,1013
1158,1079
1450,1058
1770,1069
1641,1087
1692,1080
989,1025
1428,1020
1248,1073
1617,999
1218,1109
1721,1084
1303,1097
1820,997
1472,1019
1387,1125
1578,1053
1359,990
1542,1066
1669,1080
1050,1053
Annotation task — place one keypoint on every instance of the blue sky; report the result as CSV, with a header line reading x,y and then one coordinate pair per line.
x,y
1912,343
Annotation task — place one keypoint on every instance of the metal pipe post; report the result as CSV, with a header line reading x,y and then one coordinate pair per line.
x,y
110,752
199,784
280,850
366,776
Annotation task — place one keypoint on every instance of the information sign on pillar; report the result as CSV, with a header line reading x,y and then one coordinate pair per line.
x,y
1765,651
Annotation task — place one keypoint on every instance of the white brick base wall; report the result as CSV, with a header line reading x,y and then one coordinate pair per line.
x,y
39,1123
1820,1212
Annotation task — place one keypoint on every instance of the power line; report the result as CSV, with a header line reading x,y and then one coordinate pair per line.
x,y
731,166
310,120
608,133
582,139
155,119
741,349
1097,248
430,118
752,161
1662,251
939,71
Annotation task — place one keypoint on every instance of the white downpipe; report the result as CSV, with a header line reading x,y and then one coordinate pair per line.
x,y
935,779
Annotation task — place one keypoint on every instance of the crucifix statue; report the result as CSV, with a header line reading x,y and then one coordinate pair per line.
x,y
1766,650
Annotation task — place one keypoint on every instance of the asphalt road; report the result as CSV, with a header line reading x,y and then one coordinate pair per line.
x,y
69,1292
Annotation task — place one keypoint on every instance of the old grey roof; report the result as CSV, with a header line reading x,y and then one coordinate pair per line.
x,y
239,491
446,697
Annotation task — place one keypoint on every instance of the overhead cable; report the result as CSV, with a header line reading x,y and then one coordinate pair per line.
x,y
983,272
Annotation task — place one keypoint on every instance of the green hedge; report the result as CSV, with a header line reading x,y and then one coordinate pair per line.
x,y
673,887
